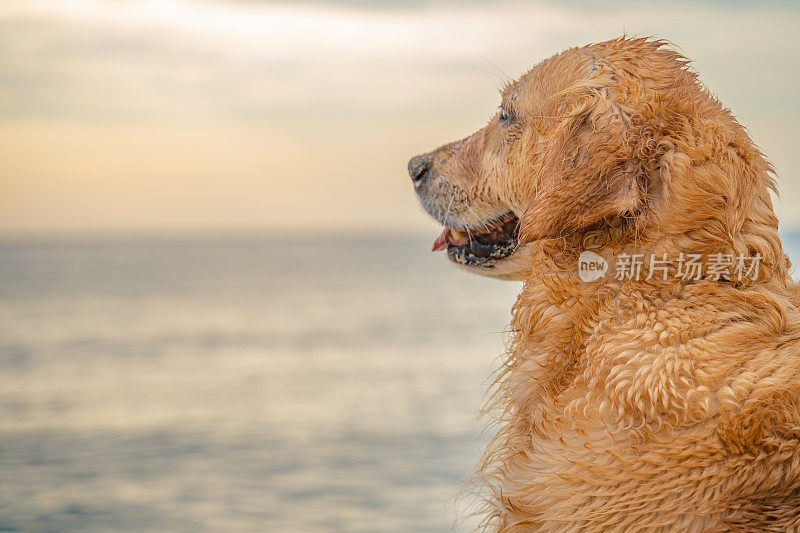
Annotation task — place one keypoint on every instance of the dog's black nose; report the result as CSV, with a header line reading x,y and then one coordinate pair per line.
x,y
418,168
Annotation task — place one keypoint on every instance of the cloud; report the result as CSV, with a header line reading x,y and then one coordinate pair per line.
x,y
333,82
139,58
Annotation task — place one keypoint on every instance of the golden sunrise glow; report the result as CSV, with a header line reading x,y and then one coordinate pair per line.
x,y
174,116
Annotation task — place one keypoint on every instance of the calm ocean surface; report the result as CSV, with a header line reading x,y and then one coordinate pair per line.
x,y
240,385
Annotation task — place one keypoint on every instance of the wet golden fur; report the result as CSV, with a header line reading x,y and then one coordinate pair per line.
x,y
633,405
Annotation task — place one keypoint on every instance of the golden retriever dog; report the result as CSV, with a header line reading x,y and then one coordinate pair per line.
x,y
667,402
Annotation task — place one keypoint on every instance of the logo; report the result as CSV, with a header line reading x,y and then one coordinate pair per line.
x,y
591,266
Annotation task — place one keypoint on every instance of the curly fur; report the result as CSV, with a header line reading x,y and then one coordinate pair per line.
x,y
639,404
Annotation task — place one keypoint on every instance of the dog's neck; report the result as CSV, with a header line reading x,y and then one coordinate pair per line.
x,y
557,309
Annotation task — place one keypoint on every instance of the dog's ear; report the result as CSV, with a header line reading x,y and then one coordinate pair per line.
x,y
588,171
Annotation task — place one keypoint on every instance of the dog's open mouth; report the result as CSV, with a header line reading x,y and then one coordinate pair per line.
x,y
480,246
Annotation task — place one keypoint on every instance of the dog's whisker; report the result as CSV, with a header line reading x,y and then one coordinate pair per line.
x,y
447,213
504,78
476,216
471,238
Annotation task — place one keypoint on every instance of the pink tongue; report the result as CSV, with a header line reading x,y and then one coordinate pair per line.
x,y
441,241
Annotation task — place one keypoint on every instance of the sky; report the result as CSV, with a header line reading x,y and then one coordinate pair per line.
x,y
194,116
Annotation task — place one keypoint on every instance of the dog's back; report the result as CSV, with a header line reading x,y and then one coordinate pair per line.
x,y
681,411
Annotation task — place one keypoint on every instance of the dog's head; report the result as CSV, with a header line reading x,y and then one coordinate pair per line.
x,y
593,137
